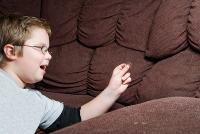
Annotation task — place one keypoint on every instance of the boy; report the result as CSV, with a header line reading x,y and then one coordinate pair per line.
x,y
24,57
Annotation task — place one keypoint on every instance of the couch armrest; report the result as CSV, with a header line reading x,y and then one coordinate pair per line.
x,y
174,115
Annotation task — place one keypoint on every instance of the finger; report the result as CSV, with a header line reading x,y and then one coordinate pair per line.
x,y
119,68
129,63
128,80
124,69
126,76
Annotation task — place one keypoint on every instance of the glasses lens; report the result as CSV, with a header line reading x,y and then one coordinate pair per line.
x,y
44,50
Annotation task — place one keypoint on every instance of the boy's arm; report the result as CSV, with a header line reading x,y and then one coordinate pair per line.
x,y
117,85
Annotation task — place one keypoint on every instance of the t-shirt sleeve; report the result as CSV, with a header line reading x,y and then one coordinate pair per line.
x,y
52,110
68,117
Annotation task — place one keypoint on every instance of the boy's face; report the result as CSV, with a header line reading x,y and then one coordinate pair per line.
x,y
30,67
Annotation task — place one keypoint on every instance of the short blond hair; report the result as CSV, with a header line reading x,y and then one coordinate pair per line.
x,y
15,29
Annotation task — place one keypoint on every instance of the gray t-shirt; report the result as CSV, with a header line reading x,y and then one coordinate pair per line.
x,y
23,110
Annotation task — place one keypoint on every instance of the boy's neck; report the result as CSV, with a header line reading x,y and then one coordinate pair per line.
x,y
18,81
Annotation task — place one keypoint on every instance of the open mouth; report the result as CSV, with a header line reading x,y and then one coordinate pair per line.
x,y
43,67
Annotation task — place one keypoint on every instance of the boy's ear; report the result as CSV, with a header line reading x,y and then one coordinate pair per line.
x,y
9,52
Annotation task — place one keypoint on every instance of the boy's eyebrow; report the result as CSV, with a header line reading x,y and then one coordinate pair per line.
x,y
38,44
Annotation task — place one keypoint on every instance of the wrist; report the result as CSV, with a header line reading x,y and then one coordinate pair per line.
x,y
110,94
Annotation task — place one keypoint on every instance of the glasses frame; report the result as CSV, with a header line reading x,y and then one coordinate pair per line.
x,y
43,49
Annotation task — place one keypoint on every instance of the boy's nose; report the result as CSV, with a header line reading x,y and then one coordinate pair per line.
x,y
48,55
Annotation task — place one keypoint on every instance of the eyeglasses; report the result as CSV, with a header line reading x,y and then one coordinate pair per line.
x,y
43,49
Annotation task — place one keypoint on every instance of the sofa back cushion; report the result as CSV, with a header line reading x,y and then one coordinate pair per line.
x,y
168,35
134,23
63,17
194,25
26,7
177,75
97,22
68,69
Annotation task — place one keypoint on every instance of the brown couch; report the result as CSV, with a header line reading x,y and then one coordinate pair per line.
x,y
161,40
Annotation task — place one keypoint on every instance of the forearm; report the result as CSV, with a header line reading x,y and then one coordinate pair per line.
x,y
98,105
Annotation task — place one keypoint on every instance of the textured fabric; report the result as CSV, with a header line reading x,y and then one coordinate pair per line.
x,y
75,100
135,23
169,29
63,17
98,20
23,110
175,76
100,70
194,25
175,115
68,69
21,7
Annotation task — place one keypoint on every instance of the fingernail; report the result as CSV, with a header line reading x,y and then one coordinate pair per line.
x,y
129,64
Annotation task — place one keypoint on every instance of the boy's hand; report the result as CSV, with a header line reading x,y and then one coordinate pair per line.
x,y
119,80
117,85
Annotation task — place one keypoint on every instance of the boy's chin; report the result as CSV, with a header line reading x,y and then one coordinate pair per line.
x,y
33,80
37,80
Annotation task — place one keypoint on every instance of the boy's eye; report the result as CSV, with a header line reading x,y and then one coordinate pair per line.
x,y
44,49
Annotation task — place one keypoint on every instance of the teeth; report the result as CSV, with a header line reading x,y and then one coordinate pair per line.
x,y
44,67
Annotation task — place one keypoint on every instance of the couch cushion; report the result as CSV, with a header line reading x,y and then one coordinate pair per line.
x,y
169,30
164,116
75,100
105,59
194,25
175,76
25,7
126,22
134,23
68,99
63,17
68,69
97,22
